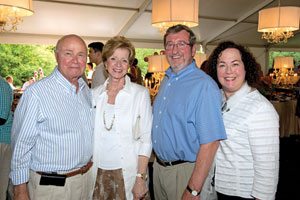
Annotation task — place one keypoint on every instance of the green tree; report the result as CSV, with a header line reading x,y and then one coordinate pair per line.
x,y
20,61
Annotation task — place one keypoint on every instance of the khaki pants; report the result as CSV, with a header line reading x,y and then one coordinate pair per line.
x,y
77,187
5,158
170,182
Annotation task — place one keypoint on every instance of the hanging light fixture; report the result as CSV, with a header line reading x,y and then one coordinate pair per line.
x,y
199,58
277,24
11,13
158,63
284,75
167,13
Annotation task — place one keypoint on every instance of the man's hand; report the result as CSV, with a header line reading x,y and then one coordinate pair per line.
x,y
20,192
188,196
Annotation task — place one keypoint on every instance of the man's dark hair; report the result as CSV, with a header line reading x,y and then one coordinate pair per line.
x,y
176,29
90,64
97,46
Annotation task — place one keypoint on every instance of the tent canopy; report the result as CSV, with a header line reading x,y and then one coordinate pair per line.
x,y
98,20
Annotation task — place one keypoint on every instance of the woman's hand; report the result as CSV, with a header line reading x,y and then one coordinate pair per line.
x,y
139,189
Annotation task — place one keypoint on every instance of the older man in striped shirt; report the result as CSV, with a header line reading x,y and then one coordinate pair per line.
x,y
52,131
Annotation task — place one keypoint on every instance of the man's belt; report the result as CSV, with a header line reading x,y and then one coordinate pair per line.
x,y
171,163
81,171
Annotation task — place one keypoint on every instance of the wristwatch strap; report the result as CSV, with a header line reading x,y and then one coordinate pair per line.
x,y
193,192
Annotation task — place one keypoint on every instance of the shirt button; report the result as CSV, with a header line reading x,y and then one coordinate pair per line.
x,y
169,84
160,112
165,98
156,126
154,141
176,79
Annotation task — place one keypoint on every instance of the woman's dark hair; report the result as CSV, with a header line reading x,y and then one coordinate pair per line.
x,y
251,66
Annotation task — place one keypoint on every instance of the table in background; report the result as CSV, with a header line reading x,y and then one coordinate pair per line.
x,y
289,122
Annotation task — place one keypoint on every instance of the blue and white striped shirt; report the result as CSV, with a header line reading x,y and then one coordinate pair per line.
x,y
52,129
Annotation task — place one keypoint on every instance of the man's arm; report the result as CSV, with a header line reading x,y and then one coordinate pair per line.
x,y
204,160
20,192
24,135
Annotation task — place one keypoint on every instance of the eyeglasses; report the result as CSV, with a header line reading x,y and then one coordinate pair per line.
x,y
179,45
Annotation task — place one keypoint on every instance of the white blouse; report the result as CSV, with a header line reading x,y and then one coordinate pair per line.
x,y
108,142
247,163
133,123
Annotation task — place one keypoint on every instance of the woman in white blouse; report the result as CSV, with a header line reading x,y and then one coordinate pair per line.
x,y
247,163
122,136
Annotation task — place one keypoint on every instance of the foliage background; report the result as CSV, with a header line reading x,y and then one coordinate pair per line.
x,y
20,61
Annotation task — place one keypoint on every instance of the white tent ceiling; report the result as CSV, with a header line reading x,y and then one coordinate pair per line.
x,y
98,20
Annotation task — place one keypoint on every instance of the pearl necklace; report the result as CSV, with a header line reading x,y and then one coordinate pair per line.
x,y
112,122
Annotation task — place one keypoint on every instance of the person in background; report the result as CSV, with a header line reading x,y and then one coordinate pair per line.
x,y
90,70
10,81
187,121
6,99
27,83
139,78
52,131
132,73
247,163
298,69
204,66
95,56
122,133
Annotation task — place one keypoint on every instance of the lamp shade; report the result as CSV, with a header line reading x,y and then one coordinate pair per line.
x,y
279,17
22,7
157,63
199,58
166,13
283,63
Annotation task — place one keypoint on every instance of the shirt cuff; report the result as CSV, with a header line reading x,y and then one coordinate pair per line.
x,y
19,177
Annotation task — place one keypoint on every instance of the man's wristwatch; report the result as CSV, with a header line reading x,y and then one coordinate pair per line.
x,y
193,192
142,176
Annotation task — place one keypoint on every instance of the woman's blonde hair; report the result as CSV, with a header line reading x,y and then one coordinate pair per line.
x,y
118,42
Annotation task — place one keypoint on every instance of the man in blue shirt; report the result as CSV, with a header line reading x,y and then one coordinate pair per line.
x,y
6,99
187,121
52,131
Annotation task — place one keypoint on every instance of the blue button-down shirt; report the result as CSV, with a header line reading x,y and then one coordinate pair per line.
x,y
52,129
186,114
6,99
